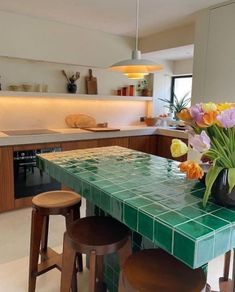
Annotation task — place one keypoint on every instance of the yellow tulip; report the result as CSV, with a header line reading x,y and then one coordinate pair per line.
x,y
209,107
224,106
178,148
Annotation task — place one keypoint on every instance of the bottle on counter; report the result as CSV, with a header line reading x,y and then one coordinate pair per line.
x,y
131,90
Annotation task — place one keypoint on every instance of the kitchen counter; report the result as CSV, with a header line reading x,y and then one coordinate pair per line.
x,y
151,196
69,134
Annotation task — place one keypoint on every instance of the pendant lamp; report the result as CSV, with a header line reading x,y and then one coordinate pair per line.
x,y
136,67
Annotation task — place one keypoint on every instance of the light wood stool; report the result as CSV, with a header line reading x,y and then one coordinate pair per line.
x,y
66,203
95,236
153,270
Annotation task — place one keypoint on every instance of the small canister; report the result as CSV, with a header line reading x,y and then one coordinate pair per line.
x,y
124,91
131,90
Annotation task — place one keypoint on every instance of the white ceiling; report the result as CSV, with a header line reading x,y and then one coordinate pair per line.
x,y
173,54
112,16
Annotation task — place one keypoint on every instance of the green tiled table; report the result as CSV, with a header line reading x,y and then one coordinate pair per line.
x,y
151,196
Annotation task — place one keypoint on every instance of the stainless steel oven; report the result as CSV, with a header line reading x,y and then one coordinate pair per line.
x,y
28,179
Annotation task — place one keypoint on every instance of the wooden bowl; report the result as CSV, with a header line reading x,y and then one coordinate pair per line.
x,y
150,121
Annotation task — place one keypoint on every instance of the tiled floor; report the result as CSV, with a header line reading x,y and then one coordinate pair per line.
x,y
14,250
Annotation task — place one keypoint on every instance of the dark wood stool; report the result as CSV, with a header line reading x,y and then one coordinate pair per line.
x,y
154,270
64,203
95,236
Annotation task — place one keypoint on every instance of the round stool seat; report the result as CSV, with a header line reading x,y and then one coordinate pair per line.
x,y
56,199
154,270
102,234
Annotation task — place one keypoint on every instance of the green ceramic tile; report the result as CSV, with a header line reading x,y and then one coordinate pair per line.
x,y
113,189
172,218
204,251
194,229
154,209
210,207
130,216
184,249
86,190
232,240
191,212
163,236
117,209
138,202
95,195
105,201
225,214
124,195
145,225
222,241
137,238
212,222
102,183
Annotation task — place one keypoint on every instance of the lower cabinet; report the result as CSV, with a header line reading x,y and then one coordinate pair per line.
x,y
154,144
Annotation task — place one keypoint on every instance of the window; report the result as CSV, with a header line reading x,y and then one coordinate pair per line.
x,y
180,86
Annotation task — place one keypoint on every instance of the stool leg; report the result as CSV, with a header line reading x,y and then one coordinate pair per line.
x,y
68,263
36,233
100,274
44,240
92,276
125,252
70,218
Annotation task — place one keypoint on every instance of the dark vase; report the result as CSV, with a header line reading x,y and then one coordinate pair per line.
x,y
220,190
72,87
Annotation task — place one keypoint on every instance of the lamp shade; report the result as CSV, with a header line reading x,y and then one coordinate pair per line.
x,y
136,67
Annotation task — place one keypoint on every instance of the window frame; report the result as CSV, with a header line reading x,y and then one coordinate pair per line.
x,y
173,78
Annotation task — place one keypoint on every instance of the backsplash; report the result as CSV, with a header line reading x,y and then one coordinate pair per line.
x,y
43,112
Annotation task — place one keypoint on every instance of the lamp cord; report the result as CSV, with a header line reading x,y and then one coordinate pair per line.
x,y
137,24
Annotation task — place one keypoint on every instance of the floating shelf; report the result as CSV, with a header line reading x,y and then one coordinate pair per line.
x,y
74,96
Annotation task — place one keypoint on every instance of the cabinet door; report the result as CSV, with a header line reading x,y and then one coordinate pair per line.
x,y
79,145
124,142
140,143
163,147
6,179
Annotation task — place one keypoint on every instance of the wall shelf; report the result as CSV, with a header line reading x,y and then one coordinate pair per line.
x,y
74,96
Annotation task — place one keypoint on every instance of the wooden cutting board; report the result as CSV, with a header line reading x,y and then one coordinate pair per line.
x,y
97,129
91,83
80,121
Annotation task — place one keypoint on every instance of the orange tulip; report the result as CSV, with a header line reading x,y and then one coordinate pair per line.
x,y
208,119
184,115
192,169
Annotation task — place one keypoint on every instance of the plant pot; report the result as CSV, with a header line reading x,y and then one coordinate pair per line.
x,y
220,190
72,87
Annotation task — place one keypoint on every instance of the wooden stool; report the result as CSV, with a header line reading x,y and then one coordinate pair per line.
x,y
154,270
64,203
95,236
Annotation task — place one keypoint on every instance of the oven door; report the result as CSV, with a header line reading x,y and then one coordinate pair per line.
x,y
28,179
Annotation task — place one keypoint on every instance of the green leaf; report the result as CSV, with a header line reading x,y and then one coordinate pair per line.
x,y
231,179
210,179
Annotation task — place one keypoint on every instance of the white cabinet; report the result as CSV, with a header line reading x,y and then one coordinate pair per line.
x,y
214,60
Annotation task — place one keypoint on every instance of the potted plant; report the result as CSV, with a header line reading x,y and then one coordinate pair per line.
x,y
142,88
71,86
177,104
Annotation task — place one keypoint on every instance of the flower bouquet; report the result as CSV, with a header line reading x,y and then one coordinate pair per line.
x,y
213,135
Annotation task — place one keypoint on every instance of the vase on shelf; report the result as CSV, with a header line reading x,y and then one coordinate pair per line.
x,y
72,87
220,190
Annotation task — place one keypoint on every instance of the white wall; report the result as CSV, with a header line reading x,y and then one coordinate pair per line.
x,y
172,38
162,87
39,39
214,58
18,71
183,67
